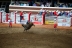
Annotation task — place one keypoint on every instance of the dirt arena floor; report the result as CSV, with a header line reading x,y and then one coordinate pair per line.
x,y
40,36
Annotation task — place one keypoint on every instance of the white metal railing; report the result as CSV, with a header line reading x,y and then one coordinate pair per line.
x,y
40,7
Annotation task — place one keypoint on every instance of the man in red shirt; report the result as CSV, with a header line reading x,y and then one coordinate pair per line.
x,y
29,0
10,22
55,25
56,13
21,15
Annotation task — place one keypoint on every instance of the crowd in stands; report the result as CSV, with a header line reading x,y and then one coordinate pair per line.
x,y
42,4
47,4
56,13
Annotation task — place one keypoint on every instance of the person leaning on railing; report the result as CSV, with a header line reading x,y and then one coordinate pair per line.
x,y
21,15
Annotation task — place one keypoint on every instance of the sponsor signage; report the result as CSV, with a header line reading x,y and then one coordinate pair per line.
x,y
12,16
50,19
3,17
36,19
64,21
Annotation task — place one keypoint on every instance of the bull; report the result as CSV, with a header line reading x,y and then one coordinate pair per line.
x,y
27,26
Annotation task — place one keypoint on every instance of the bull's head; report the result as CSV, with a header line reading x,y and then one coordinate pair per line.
x,y
31,23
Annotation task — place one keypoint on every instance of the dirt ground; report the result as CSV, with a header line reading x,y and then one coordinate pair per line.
x,y
40,36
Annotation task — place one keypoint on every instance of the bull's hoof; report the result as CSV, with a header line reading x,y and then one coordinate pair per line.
x,y
24,30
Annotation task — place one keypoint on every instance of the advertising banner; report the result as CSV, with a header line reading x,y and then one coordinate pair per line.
x,y
12,16
17,18
50,19
3,17
36,19
64,21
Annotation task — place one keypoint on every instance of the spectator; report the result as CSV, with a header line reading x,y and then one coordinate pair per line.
x,y
64,13
34,4
21,15
66,5
61,13
30,3
60,5
16,3
42,5
51,13
41,11
70,14
45,11
58,12
22,4
55,13
70,4
12,3
25,4
48,13
47,4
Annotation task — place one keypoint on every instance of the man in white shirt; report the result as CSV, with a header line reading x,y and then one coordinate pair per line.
x,y
42,5
70,14
41,11
47,4
34,4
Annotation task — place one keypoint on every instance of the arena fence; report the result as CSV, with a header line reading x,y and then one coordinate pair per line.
x,y
15,17
35,18
64,21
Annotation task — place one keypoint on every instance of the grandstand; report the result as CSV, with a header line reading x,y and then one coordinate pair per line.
x,y
4,5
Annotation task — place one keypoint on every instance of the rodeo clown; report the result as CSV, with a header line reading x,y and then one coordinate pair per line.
x,y
55,24
10,22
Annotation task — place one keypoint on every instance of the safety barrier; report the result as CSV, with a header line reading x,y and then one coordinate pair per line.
x,y
15,17
36,19
64,21
61,20
3,17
